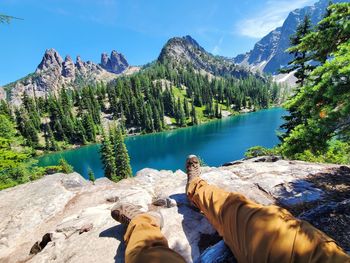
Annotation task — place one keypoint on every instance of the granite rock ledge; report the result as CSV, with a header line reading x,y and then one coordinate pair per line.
x,y
72,215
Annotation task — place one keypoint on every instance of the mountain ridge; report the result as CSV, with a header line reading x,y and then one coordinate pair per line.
x,y
186,51
53,72
268,54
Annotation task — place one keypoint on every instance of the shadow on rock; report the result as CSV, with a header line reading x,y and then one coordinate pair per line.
x,y
331,211
116,232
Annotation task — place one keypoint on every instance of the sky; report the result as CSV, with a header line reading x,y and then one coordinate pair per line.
x,y
136,28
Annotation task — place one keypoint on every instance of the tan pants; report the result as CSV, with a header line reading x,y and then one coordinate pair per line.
x,y
254,233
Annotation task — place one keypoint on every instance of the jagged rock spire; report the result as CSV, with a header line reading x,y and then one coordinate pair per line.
x,y
116,63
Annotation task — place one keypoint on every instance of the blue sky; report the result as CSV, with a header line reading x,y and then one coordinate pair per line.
x,y
136,28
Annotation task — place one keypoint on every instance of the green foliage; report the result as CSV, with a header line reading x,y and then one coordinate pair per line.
x,y
299,64
259,151
114,155
66,167
91,175
122,159
337,152
7,129
107,157
5,19
322,104
15,165
23,171
333,30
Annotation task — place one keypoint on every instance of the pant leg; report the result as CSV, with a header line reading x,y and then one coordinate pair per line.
x,y
257,233
145,242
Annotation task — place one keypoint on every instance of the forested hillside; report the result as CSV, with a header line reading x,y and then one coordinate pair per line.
x,y
159,97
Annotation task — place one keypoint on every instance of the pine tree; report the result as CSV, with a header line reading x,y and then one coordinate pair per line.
x,y
157,120
122,159
91,175
186,109
5,109
194,115
107,157
50,142
80,133
320,104
89,127
217,112
65,166
299,64
181,119
301,67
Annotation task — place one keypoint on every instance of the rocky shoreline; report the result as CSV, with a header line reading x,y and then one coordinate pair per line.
x,y
64,218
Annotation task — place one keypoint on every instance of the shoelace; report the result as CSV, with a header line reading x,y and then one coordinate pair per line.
x,y
193,169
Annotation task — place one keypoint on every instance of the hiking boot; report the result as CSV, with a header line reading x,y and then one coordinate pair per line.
x,y
125,212
193,168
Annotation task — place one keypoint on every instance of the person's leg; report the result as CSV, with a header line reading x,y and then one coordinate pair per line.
x,y
257,233
143,238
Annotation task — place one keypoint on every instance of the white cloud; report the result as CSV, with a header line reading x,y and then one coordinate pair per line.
x,y
272,16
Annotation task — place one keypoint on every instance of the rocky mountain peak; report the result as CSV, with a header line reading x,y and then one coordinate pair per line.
x,y
268,55
186,42
53,73
116,63
191,41
68,67
51,61
183,51
104,60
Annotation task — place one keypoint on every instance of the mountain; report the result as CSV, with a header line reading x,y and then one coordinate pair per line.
x,y
268,55
181,51
53,72
116,63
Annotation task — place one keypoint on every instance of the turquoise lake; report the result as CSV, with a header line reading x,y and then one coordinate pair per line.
x,y
216,142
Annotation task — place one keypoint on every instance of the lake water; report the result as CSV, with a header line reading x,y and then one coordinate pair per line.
x,y
216,142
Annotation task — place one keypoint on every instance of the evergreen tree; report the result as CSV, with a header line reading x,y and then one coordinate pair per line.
x,y
324,131
300,63
122,159
107,158
181,118
186,109
91,175
50,142
89,127
65,166
194,115
80,133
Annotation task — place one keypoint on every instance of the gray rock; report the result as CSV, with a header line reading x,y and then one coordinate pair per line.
x,y
186,50
66,205
114,64
51,61
68,70
2,94
53,73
